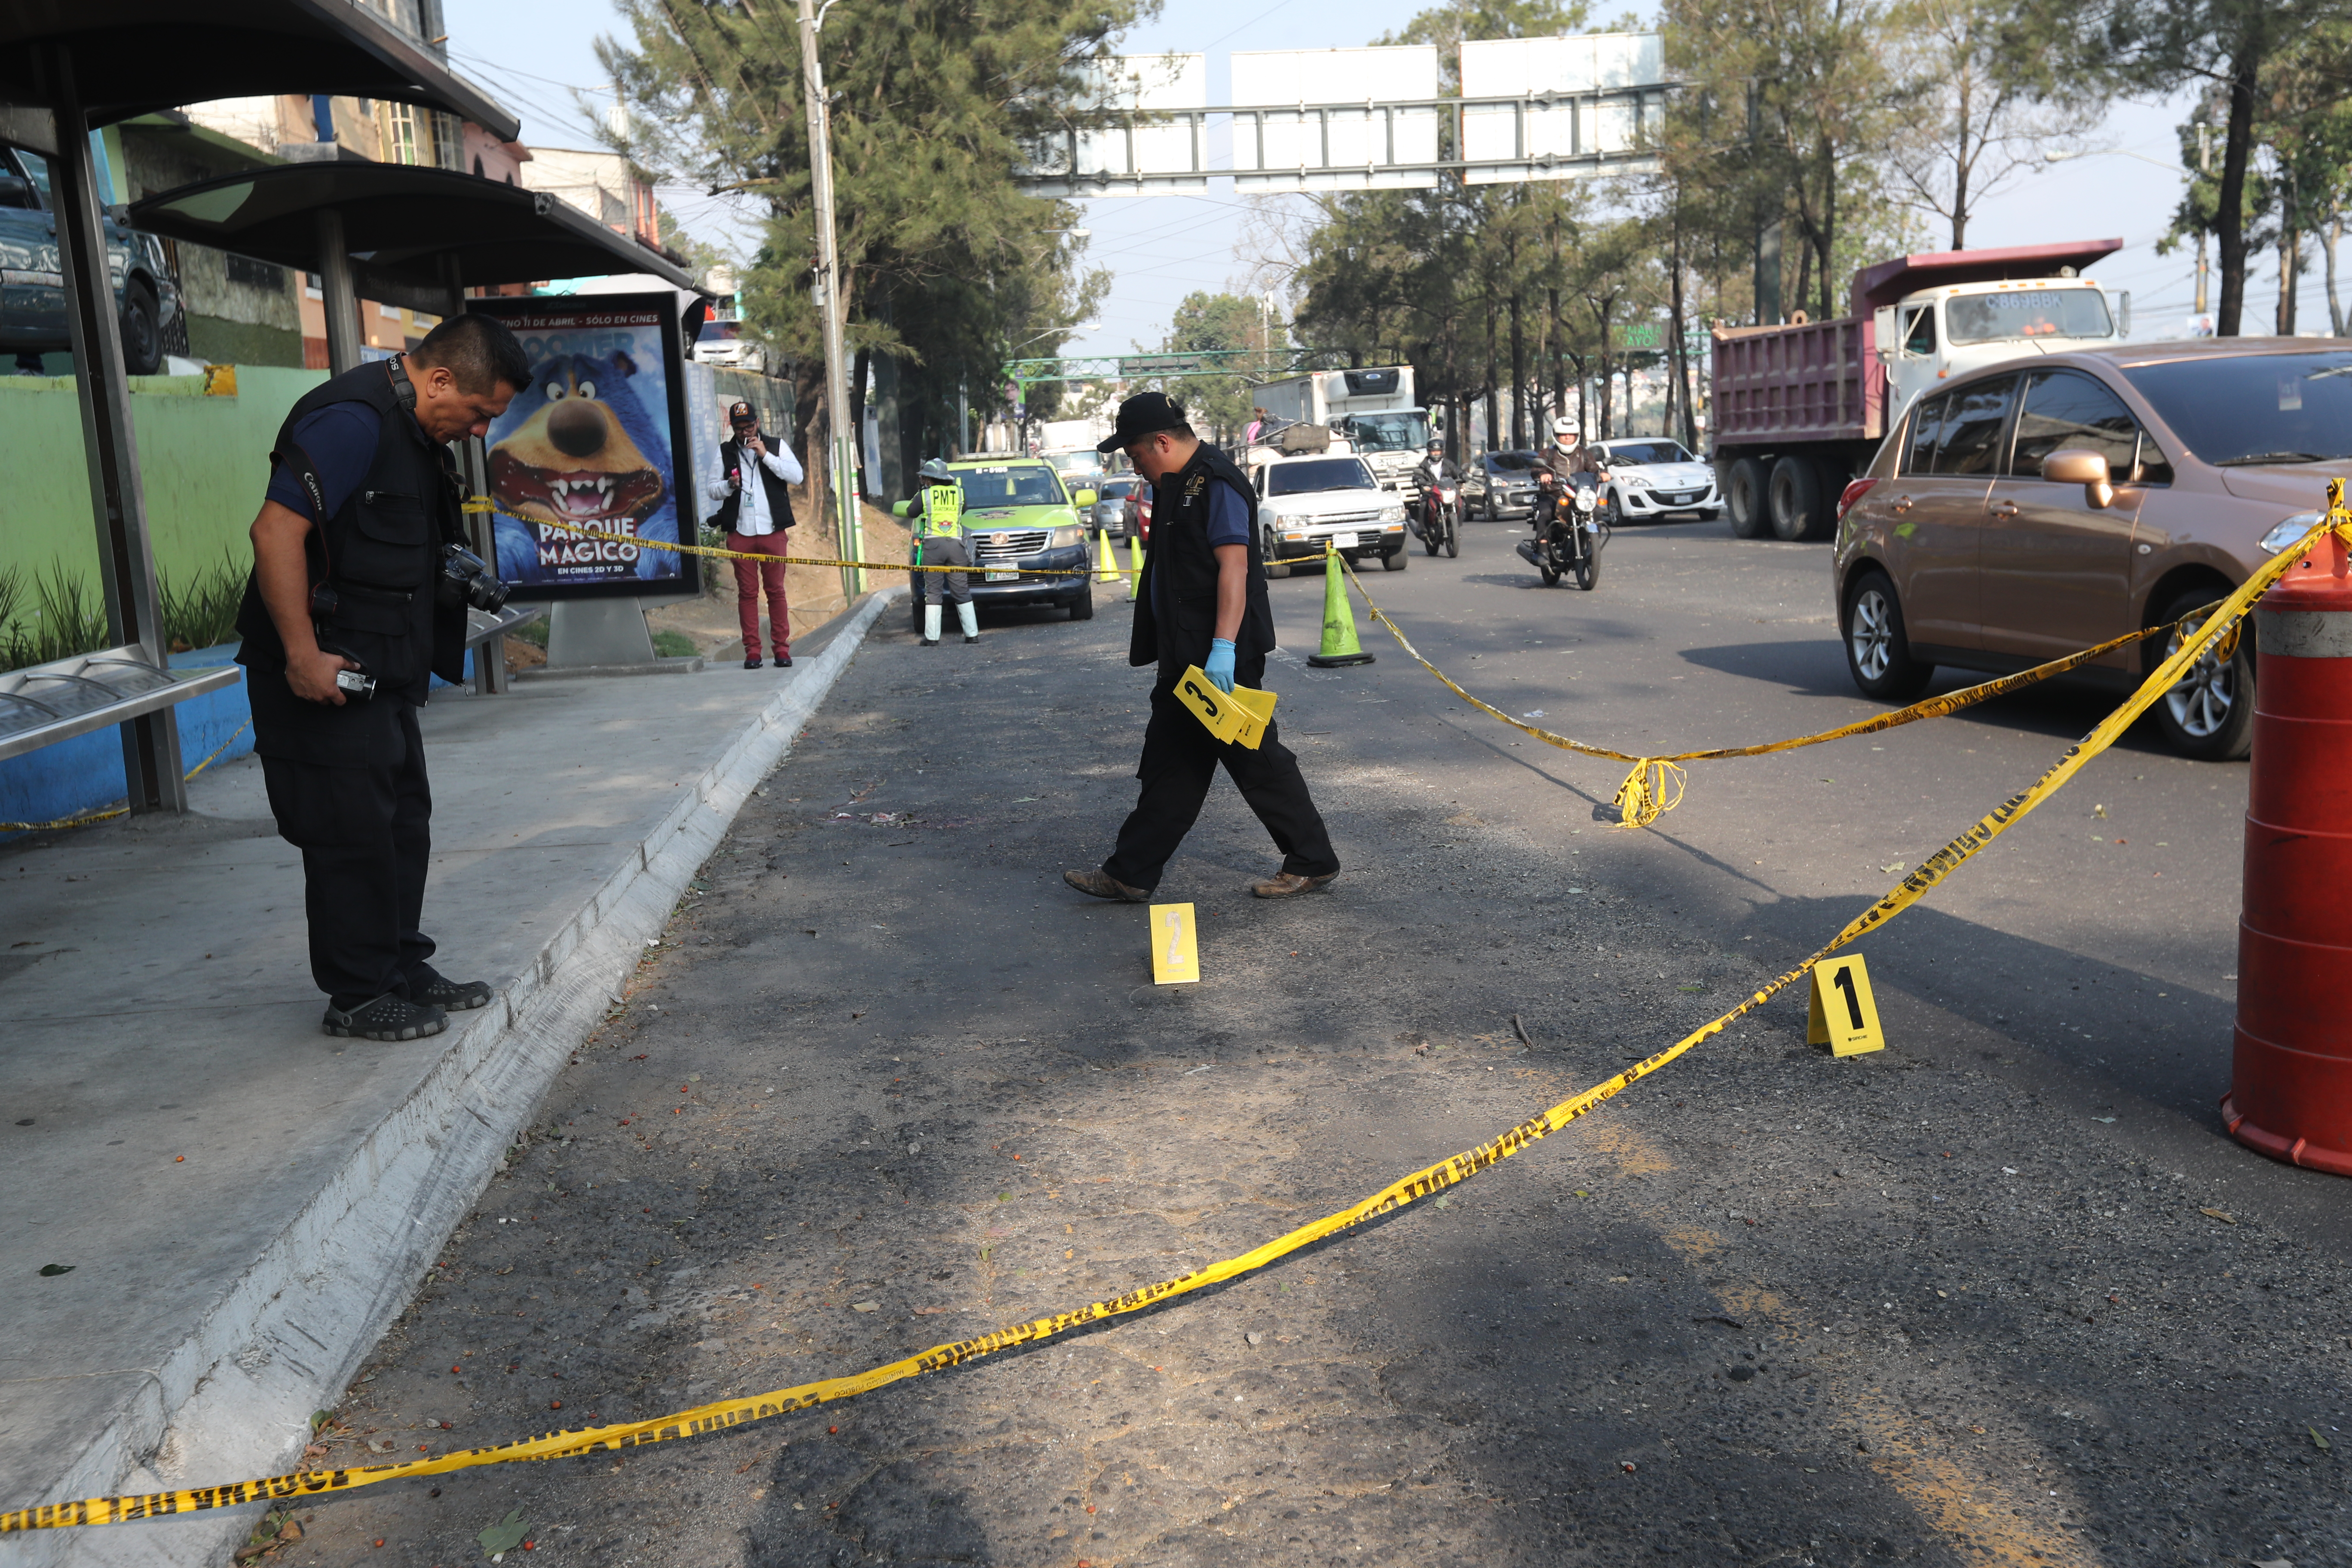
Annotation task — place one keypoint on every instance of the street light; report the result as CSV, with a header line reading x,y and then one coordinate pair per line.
x,y
2052,155
1050,332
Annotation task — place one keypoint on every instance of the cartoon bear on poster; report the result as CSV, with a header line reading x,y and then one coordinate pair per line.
x,y
580,448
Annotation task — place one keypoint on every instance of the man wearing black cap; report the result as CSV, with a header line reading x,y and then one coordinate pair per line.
x,y
1201,601
755,515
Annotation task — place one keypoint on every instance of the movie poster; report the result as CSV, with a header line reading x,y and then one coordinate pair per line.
x,y
585,463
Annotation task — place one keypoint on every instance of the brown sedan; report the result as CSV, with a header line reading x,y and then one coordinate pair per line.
x,y
2036,508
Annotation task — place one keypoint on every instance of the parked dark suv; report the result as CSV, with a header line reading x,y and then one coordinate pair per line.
x,y
32,290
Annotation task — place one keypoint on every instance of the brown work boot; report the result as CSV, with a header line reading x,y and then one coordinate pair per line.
x,y
1103,887
1282,884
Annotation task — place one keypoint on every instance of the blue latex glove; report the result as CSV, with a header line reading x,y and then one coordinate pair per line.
x,y
1220,667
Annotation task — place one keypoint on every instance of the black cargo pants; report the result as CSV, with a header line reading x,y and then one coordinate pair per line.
x,y
365,834
1181,760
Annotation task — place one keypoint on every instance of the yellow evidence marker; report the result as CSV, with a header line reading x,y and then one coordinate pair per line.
x,y
1844,1017
1175,957
1238,718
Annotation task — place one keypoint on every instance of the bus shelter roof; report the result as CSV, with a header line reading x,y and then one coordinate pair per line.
x,y
415,235
132,57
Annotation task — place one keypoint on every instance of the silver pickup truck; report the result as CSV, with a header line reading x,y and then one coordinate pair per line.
x,y
1307,505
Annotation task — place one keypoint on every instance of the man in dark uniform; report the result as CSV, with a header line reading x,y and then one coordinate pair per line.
x,y
1201,600
350,554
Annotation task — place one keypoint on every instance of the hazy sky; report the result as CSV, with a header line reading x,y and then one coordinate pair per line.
x,y
532,53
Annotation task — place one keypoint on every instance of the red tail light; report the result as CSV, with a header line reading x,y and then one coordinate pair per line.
x,y
1143,519
1854,491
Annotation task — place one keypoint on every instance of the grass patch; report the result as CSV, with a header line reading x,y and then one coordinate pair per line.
x,y
674,645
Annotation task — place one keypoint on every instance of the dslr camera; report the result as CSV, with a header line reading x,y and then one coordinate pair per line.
x,y
465,578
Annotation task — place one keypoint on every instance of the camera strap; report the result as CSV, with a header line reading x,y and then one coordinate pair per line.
x,y
291,456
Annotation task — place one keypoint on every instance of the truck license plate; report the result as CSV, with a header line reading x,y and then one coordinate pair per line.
x,y
1001,577
1343,542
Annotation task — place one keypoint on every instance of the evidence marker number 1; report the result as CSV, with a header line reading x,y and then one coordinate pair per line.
x,y
1175,956
1843,1016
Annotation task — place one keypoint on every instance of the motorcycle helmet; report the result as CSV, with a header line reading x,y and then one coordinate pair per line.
x,y
937,472
1564,431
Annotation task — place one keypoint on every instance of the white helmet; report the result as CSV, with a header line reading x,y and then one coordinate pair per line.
x,y
1564,428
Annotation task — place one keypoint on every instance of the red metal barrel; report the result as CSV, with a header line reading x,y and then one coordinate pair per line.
x,y
2291,1086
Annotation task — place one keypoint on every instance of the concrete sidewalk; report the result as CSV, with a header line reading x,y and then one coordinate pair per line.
x,y
242,1202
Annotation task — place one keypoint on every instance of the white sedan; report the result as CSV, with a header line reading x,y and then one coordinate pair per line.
x,y
1650,475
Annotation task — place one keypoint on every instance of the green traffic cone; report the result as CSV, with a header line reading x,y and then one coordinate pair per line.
x,y
1340,644
1135,564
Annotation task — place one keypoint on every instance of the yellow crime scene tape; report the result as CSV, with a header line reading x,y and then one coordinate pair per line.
x,y
86,820
482,503
720,1414
1643,797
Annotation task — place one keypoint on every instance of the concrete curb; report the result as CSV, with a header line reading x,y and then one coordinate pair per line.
x,y
233,1399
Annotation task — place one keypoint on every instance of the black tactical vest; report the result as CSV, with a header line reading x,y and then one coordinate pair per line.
x,y
1185,568
378,557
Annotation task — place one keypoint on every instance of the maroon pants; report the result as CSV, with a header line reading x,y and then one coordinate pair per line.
x,y
750,577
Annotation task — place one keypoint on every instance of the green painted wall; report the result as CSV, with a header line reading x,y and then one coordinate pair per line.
x,y
205,460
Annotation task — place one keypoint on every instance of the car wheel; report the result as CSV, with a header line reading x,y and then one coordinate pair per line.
x,y
1744,498
142,331
1878,646
1266,554
1082,608
918,604
2209,716
1396,562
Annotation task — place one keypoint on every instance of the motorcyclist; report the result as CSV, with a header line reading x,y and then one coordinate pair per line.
x,y
1577,465
1434,471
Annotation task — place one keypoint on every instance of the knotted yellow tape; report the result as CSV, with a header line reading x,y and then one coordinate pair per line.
x,y
1642,799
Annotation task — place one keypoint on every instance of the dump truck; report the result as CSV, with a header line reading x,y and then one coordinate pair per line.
x,y
1799,409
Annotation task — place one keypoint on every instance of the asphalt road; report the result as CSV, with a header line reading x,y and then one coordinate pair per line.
x,y
2000,1294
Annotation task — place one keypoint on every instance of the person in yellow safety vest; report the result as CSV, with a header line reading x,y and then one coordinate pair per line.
x,y
937,513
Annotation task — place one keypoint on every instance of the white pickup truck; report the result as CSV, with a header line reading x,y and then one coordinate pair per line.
x,y
1308,504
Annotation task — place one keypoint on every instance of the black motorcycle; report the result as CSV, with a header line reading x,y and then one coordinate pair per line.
x,y
1572,524
1434,515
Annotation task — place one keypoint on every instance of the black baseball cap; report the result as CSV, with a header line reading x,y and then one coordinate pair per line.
x,y
742,414
1145,414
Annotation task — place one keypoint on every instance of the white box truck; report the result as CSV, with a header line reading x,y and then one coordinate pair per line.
x,y
1373,411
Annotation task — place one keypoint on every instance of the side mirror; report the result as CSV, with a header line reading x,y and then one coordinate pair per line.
x,y
2073,465
1084,498
15,191
903,509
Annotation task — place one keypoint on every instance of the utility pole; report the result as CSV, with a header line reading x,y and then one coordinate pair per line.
x,y
829,301
2205,168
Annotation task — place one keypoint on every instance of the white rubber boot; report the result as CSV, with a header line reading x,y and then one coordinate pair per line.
x,y
970,616
931,624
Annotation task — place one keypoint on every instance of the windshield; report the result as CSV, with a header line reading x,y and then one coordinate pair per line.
x,y
1512,462
1320,474
1031,484
2027,314
1638,452
1118,489
1388,432
1075,462
2279,408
